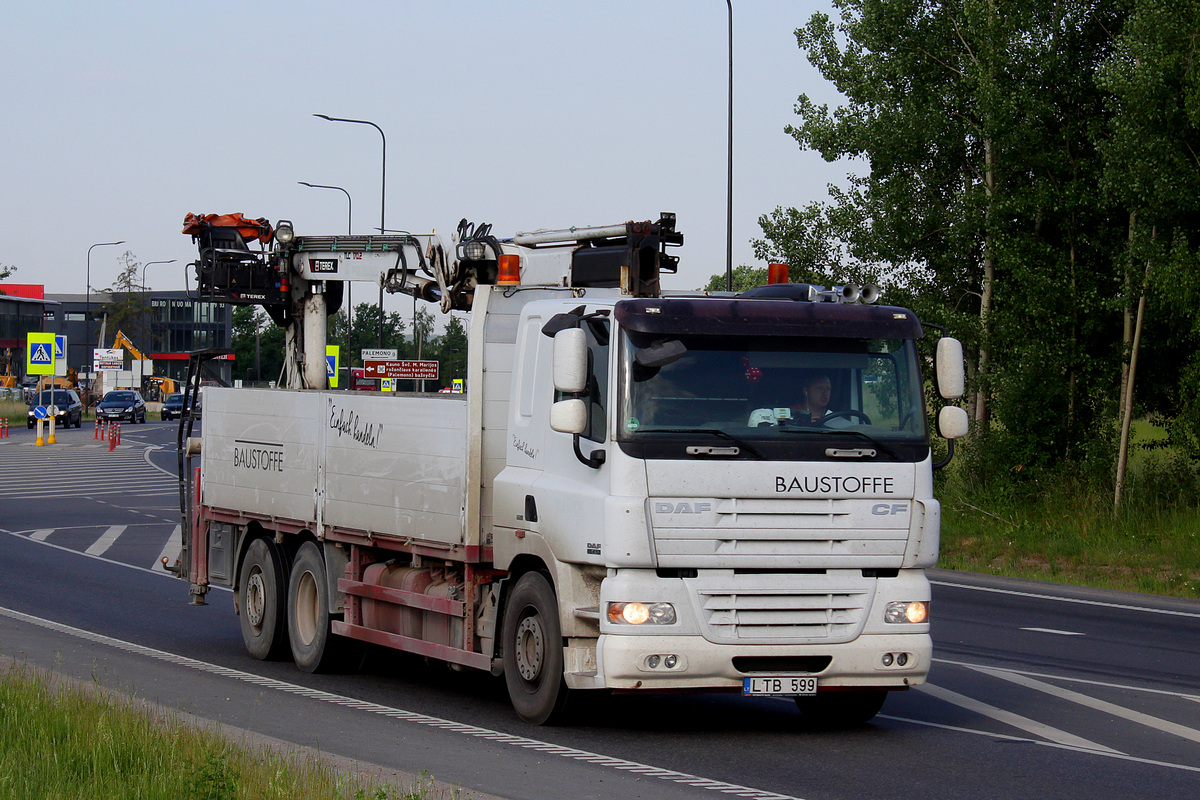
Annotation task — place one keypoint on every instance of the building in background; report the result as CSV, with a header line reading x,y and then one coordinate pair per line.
x,y
174,326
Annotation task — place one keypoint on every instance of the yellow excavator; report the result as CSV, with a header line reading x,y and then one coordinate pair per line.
x,y
158,385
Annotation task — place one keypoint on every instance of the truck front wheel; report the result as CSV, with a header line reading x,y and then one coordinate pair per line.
x,y
533,651
261,601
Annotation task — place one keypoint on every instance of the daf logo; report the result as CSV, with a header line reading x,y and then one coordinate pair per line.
x,y
888,509
682,508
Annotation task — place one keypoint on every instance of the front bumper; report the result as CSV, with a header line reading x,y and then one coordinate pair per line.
x,y
700,664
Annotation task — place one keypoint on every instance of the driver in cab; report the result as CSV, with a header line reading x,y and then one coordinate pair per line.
x,y
817,389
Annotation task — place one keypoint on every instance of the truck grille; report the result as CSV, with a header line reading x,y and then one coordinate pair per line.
x,y
779,615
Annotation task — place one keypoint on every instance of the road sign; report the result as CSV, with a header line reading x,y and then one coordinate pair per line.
x,y
41,412
387,385
60,355
379,354
108,359
402,370
332,351
39,354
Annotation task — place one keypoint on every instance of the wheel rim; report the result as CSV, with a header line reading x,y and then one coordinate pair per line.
x,y
256,599
530,648
306,608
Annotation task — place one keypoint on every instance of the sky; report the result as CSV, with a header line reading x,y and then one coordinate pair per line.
x,y
121,117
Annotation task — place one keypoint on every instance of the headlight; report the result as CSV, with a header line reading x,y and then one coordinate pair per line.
x,y
283,232
641,613
907,611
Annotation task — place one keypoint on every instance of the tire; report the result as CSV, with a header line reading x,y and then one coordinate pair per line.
x,y
314,646
841,709
533,652
262,600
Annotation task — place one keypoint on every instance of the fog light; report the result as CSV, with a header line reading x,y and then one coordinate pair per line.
x,y
901,659
474,250
670,661
887,659
907,611
652,662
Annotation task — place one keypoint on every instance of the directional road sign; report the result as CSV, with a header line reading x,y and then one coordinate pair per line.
x,y
402,370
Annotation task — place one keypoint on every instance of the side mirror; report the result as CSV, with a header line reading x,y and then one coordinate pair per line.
x,y
952,422
569,416
570,361
951,380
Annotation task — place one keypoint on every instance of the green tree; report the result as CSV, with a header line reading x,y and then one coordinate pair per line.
x,y
978,207
6,272
1152,148
125,303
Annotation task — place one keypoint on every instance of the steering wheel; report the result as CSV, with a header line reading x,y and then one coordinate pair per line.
x,y
848,413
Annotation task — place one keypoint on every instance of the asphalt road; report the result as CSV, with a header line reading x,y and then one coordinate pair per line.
x,y
1037,691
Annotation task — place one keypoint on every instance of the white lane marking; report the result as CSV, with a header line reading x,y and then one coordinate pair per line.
x,y
1056,632
1015,720
106,540
407,716
1086,681
114,562
1056,745
171,549
1091,702
1080,601
42,535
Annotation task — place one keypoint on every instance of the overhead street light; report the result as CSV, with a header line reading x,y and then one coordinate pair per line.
x,y
382,195
349,230
729,179
146,312
87,320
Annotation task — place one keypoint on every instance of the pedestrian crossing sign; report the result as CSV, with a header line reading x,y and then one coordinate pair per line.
x,y
39,354
331,364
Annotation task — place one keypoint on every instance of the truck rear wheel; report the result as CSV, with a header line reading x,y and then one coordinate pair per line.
x,y
841,709
315,648
261,600
533,651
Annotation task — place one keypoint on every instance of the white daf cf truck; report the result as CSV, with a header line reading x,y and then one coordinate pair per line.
x,y
638,490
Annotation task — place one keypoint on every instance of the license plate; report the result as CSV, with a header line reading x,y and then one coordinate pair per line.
x,y
779,685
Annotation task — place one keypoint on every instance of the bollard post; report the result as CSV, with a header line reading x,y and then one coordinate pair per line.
x,y
50,439
96,432
112,438
40,441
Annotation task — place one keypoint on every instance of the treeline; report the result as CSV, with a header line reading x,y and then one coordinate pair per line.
x,y
259,344
1030,179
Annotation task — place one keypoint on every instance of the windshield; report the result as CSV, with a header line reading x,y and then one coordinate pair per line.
x,y
58,398
779,396
119,397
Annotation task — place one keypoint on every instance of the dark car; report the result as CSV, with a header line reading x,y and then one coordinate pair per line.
x,y
172,407
122,404
70,410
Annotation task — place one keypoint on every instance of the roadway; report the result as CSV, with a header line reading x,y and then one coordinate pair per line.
x,y
1037,690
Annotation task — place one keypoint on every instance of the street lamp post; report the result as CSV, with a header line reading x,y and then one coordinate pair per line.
x,y
382,195
146,312
729,178
87,320
349,230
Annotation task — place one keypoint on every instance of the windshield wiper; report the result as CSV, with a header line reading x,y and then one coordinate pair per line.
x,y
714,432
842,431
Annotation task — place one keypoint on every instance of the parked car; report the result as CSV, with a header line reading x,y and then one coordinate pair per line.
x,y
70,409
122,404
172,407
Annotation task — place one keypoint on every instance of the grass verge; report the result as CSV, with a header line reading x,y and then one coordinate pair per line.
x,y
1062,528
61,740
